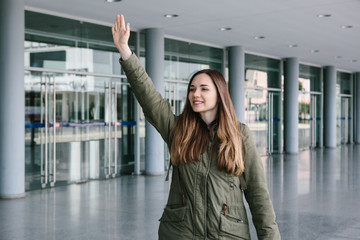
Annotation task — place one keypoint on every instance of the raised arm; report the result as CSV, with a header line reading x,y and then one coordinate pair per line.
x,y
156,109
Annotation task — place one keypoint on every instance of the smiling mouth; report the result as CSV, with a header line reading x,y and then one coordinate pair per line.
x,y
197,102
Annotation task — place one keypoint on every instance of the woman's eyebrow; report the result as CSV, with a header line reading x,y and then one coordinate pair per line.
x,y
201,85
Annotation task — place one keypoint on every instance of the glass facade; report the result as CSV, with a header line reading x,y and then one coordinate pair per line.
x,y
310,102
184,58
344,106
263,102
79,110
81,117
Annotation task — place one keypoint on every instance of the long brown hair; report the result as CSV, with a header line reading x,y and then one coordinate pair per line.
x,y
190,134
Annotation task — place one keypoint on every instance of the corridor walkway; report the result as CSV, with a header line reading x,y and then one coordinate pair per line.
x,y
316,195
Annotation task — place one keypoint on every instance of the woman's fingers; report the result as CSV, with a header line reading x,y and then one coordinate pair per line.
x,y
128,28
116,23
122,22
121,35
120,25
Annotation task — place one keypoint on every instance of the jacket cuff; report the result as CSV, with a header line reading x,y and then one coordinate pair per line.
x,y
128,63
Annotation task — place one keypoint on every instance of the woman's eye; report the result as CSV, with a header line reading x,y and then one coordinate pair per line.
x,y
192,89
205,89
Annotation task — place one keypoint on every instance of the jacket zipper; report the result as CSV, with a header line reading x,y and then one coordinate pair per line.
x,y
195,202
206,196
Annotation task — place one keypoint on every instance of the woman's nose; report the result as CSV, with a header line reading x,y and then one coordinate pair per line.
x,y
196,93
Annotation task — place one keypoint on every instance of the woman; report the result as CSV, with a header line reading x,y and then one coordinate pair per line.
x,y
214,157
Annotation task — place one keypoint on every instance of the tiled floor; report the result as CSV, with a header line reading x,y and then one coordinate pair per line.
x,y
316,195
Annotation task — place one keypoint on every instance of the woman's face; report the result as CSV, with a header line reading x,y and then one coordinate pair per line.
x,y
203,95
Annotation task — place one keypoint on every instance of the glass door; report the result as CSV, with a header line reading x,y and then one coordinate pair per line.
x,y
273,122
315,120
256,116
263,117
175,93
304,124
126,133
309,120
77,128
48,133
63,139
112,129
344,120
343,112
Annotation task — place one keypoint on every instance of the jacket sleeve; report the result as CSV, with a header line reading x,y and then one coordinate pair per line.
x,y
257,194
156,109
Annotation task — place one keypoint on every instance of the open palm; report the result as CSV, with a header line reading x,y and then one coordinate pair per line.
x,y
121,35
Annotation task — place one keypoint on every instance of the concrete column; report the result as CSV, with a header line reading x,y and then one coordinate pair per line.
x,y
137,110
291,105
330,107
356,96
12,100
237,80
351,113
154,144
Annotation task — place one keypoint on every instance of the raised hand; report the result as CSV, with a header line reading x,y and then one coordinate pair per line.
x,y
121,35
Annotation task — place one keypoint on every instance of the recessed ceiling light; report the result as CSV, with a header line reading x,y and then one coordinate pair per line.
x,y
323,15
225,29
113,1
259,37
171,15
354,60
337,57
292,45
346,26
315,51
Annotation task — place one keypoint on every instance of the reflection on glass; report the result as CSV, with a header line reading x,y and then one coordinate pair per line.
x,y
304,114
77,128
72,58
310,115
262,111
344,108
313,74
175,93
183,59
69,44
343,80
263,102
267,65
256,116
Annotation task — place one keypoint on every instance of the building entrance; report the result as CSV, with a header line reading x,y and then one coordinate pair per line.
x,y
344,120
309,120
262,115
79,127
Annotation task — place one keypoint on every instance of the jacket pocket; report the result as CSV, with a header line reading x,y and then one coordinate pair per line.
x,y
233,227
172,223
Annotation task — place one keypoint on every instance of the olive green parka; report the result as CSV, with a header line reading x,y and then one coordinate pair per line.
x,y
205,203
